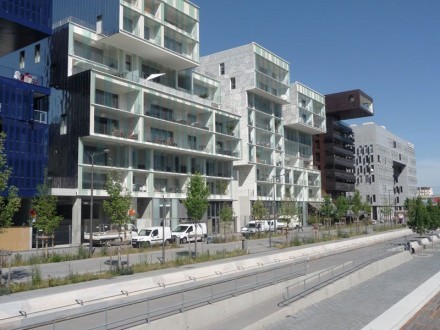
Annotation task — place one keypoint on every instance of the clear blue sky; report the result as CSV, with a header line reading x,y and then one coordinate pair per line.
x,y
390,49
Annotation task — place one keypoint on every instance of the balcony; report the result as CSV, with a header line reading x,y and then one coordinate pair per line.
x,y
168,55
23,76
40,116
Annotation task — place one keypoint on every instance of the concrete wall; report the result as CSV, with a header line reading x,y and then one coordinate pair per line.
x,y
217,311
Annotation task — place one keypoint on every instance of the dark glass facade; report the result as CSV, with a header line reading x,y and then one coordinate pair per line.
x,y
24,99
23,117
23,22
333,152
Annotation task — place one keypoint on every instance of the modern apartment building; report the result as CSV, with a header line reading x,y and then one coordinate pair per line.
x,y
385,169
24,94
275,130
125,98
334,151
425,192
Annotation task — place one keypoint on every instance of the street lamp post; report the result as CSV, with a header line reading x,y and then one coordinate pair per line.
x,y
163,226
92,158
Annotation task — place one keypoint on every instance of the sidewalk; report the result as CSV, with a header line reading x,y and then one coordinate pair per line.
x,y
373,300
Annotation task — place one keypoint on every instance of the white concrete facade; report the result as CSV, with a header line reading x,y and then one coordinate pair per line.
x,y
277,144
385,169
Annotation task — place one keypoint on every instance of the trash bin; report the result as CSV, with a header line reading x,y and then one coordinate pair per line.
x,y
244,244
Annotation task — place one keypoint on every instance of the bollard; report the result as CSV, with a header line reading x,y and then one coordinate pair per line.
x,y
244,244
178,241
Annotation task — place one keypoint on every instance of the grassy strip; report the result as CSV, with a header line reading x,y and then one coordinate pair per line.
x,y
37,282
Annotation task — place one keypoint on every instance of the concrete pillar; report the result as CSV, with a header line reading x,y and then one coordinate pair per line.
x,y
76,223
305,214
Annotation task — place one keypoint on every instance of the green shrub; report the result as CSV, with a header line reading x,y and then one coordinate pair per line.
x,y
36,278
35,260
124,271
296,241
104,251
56,258
18,259
83,253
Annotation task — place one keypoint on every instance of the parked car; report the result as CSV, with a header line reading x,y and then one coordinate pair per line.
x,y
187,232
255,226
152,235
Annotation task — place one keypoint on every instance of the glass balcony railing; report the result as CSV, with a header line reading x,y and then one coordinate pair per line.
x,y
40,116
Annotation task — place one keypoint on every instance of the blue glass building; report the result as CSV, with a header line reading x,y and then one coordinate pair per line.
x,y
24,95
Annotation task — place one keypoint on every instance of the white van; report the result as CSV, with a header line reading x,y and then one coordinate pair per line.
x,y
288,222
256,226
186,232
152,235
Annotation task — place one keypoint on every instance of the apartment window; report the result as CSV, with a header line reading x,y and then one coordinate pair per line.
x,y
222,68
192,142
21,60
63,125
128,24
106,98
128,62
394,144
173,45
191,118
374,198
37,54
378,158
99,24
146,33
233,83
372,178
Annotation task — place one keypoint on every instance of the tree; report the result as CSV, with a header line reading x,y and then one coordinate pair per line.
x,y
356,207
118,205
386,211
259,211
366,207
226,215
342,207
327,208
418,216
44,205
434,215
288,209
196,202
8,205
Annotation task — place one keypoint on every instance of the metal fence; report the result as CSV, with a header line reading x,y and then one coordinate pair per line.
x,y
176,299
